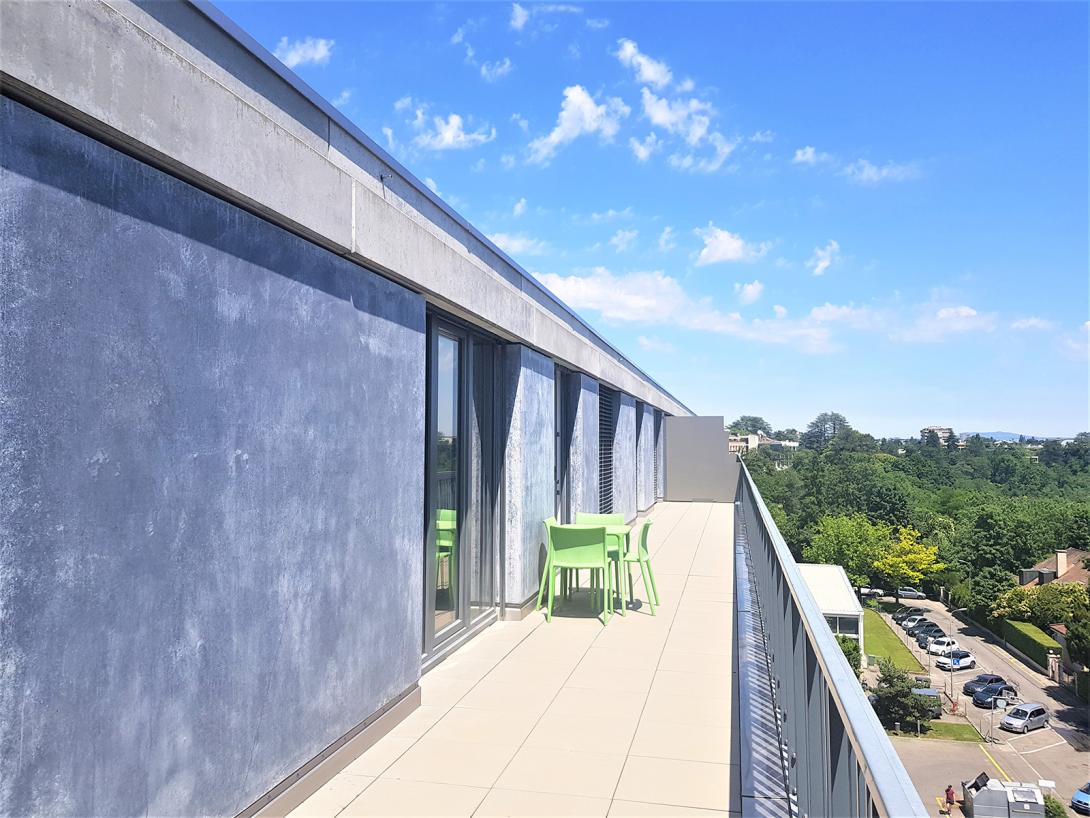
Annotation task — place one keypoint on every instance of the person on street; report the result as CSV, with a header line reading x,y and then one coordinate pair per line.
x,y
951,799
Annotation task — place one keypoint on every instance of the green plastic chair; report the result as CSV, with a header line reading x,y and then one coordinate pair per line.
x,y
545,572
579,547
615,543
642,557
446,545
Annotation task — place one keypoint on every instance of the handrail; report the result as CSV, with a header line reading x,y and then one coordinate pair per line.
x,y
891,792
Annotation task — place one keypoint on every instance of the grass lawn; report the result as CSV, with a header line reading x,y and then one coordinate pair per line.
x,y
950,731
881,641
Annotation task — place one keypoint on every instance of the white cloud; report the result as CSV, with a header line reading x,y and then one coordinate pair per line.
x,y
522,122
611,214
434,188
597,22
579,114
403,104
519,245
519,17
810,156
643,150
763,136
686,85
863,172
519,208
779,310
1032,322
823,257
492,71
458,36
479,165
309,51
342,98
933,324
653,72
508,161
666,240
724,246
748,293
450,134
688,118
654,298
652,344
705,164
860,318
1077,345
623,239
391,140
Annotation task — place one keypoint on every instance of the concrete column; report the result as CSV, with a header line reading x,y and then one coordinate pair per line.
x,y
529,457
645,457
582,397
624,457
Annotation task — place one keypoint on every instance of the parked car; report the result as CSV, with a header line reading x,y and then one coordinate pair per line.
x,y
934,698
1080,801
925,636
942,645
910,621
1025,717
874,592
918,626
911,593
956,660
986,696
904,612
981,680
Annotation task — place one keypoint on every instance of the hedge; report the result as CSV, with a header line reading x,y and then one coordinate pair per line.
x,y
1031,640
1082,684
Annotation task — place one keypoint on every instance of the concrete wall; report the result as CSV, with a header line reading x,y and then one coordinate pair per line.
x,y
660,453
645,457
529,466
211,483
624,457
699,465
583,458
178,84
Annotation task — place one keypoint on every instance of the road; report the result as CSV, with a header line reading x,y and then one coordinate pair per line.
x,y
1060,752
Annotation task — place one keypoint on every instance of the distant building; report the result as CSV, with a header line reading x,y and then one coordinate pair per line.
x,y
944,433
1067,565
744,444
835,596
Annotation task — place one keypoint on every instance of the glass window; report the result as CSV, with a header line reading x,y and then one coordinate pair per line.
x,y
446,496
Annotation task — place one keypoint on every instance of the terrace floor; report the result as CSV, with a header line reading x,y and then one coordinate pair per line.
x,y
572,718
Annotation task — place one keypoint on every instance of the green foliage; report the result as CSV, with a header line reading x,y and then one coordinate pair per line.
x,y
896,703
853,542
751,425
1078,638
786,434
908,561
1031,640
984,588
1054,807
1043,605
851,651
1017,603
822,429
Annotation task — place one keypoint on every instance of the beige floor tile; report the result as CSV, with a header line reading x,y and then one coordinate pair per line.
x,y
418,722
563,771
688,686
444,691
490,695
667,707
598,676
687,661
452,762
622,659
576,701
386,797
477,726
332,797
698,642
522,803
582,734
635,809
379,756
688,742
669,781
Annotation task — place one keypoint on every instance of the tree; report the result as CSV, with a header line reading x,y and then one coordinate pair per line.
x,y
853,542
850,647
895,703
952,442
931,439
1057,603
751,425
1017,604
909,561
822,429
985,587
786,434
1078,637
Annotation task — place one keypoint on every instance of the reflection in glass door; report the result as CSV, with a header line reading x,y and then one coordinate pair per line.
x,y
461,486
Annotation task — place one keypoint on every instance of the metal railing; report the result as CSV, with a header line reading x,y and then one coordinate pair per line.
x,y
834,758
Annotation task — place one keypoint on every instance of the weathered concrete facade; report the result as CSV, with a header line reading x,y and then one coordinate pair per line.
x,y
529,466
645,456
211,482
624,457
583,455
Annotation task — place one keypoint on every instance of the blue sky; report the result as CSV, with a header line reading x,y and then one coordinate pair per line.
x,y
775,209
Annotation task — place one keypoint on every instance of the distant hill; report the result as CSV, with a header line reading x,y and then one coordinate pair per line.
x,y
1008,436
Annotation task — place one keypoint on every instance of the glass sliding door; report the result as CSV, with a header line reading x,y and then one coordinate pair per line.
x,y
459,561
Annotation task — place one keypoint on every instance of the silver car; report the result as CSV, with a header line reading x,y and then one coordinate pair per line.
x,y
1025,717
